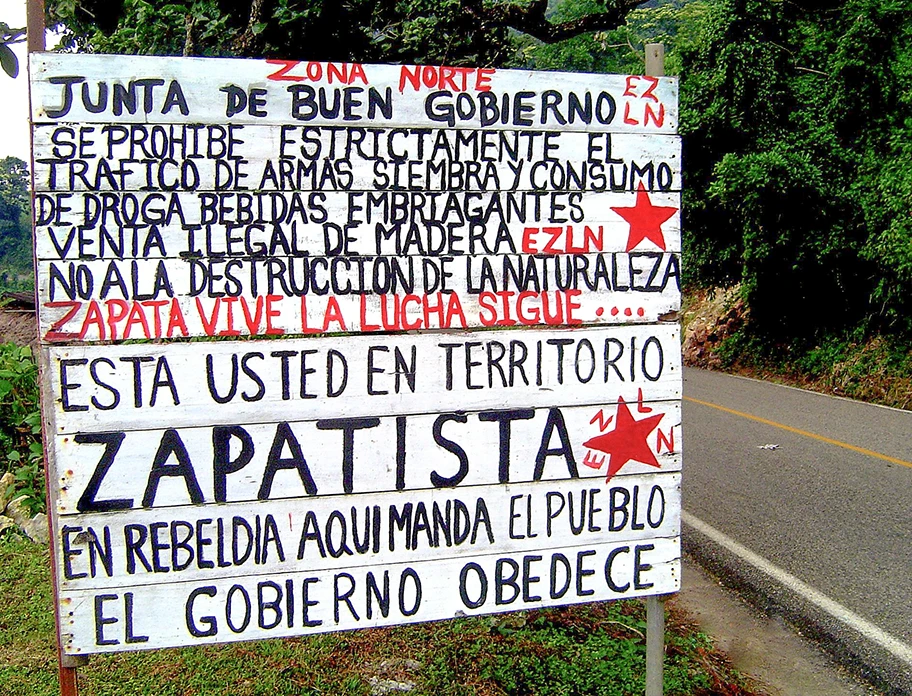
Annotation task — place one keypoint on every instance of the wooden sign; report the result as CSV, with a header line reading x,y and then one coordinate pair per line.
x,y
285,158
128,89
88,226
130,387
305,602
308,295
435,369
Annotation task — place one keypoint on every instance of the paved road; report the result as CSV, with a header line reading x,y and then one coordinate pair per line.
x,y
818,529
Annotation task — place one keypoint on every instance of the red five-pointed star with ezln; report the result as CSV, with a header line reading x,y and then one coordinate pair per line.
x,y
627,442
645,220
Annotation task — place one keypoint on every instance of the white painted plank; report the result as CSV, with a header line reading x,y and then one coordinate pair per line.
x,y
156,157
376,454
202,543
111,300
88,226
196,90
127,387
163,615
265,239
147,435
351,142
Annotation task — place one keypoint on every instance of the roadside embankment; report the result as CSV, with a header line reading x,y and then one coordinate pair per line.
x,y
718,335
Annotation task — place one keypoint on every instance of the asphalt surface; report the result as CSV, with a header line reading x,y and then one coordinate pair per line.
x,y
836,521
778,661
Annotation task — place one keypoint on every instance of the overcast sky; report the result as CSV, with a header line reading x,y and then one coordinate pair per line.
x,y
14,133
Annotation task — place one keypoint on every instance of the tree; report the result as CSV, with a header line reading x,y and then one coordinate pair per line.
x,y
674,23
438,31
797,149
15,225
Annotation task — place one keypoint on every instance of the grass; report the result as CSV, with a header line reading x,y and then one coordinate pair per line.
x,y
595,649
875,369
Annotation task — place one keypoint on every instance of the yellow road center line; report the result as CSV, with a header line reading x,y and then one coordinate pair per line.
x,y
805,433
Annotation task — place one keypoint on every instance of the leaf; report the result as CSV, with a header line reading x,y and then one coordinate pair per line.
x,y
33,420
9,61
14,456
259,28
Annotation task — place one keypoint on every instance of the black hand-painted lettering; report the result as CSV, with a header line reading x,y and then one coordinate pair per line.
x,y
222,464
66,386
172,445
87,501
555,423
275,462
67,97
348,426
450,481
504,419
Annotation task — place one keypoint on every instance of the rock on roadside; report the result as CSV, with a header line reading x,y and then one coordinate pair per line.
x,y
711,316
36,529
6,487
16,514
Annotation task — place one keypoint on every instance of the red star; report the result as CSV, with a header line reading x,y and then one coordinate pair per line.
x,y
645,220
627,442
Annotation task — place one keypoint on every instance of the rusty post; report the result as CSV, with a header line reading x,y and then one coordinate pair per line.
x,y
35,24
36,43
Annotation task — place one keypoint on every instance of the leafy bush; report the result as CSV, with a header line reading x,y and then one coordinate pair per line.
x,y
21,451
15,225
796,143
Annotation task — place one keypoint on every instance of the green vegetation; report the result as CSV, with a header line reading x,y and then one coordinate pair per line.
x,y
453,32
8,60
877,369
21,451
15,226
593,649
797,143
797,187
676,24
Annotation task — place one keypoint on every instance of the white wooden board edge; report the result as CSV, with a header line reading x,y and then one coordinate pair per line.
x,y
199,97
245,540
176,467
159,615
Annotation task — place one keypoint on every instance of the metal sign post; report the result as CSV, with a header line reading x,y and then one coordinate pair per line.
x,y
655,644
655,604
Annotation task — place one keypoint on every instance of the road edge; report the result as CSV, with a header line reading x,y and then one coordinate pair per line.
x,y
866,661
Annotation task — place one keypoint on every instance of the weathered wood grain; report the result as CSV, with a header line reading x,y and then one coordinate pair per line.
x,y
294,459
130,387
163,615
617,103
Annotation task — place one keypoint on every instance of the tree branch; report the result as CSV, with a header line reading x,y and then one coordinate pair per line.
x,y
531,19
250,42
189,38
10,36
